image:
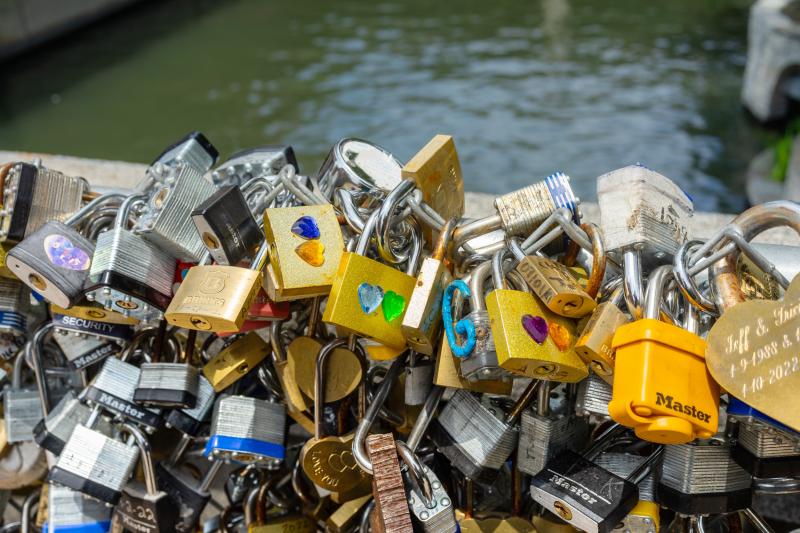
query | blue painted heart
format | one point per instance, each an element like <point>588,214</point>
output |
<point>306,227</point>
<point>63,253</point>
<point>370,297</point>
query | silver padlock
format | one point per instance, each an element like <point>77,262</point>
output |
<point>163,384</point>
<point>53,432</point>
<point>128,274</point>
<point>165,220</point>
<point>69,510</point>
<point>94,464</point>
<point>767,452</point>
<point>14,303</point>
<point>543,434</point>
<point>644,517</point>
<point>190,421</point>
<point>34,195</point>
<point>593,397</point>
<point>243,166</point>
<point>431,507</point>
<point>194,149</point>
<point>22,408</point>
<point>112,389</point>
<point>359,166</point>
<point>83,350</point>
<point>247,430</point>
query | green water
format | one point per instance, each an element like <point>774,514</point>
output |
<point>525,87</point>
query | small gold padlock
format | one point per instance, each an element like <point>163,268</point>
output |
<point>306,247</point>
<point>594,344</point>
<point>530,339</point>
<point>94,312</point>
<point>554,284</point>
<point>423,318</point>
<point>369,298</point>
<point>296,402</point>
<point>217,297</point>
<point>235,360</point>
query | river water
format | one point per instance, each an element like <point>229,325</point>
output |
<point>525,87</point>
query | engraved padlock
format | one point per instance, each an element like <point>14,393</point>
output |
<point>595,341</point>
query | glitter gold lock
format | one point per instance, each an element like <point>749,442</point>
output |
<point>217,297</point>
<point>369,298</point>
<point>305,249</point>
<point>530,339</point>
<point>235,360</point>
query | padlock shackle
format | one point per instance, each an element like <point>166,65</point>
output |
<point>656,283</point>
<point>425,417</point>
<point>36,349</point>
<point>498,276</point>
<point>347,205</point>
<point>386,216</point>
<point>145,457</point>
<point>757,521</point>
<point>604,440</point>
<point>417,242</point>
<point>93,206</point>
<point>278,352</point>
<point>688,287</point>
<point>287,177</point>
<point>121,222</point>
<point>523,402</point>
<point>543,399</point>
<point>356,349</point>
<point>477,278</point>
<point>359,440</point>
<point>417,473</point>
<point>369,228</point>
<point>643,469</point>
<point>632,282</point>
<point>598,251</point>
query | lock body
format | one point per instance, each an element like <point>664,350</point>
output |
<point>22,410</point>
<point>247,430</point>
<point>53,431</point>
<point>555,286</point>
<point>69,510</point>
<point>190,420</point>
<point>141,512</point>
<point>214,298</point>
<point>542,437</point>
<point>113,388</point>
<point>226,226</point>
<point>594,394</point>
<point>517,350</point>
<point>306,247</point>
<point>448,373</point>
<point>662,387</point>
<point>369,299</point>
<point>167,385</point>
<point>594,343</point>
<point>423,318</point>
<point>235,360</point>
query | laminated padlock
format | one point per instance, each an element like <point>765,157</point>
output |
<point>34,195</point>
<point>22,408</point>
<point>55,429</point>
<point>431,507</point>
<point>644,517</point>
<point>190,495</point>
<point>14,305</point>
<point>531,340</point>
<point>226,226</point>
<point>193,149</point>
<point>247,430</point>
<point>306,248</point>
<point>70,510</point>
<point>594,394</point>
<point>369,298</point>
<point>662,387</point>
<point>217,297</point>
<point>251,163</point>
<point>82,350</point>
<point>189,421</point>
<point>764,447</point>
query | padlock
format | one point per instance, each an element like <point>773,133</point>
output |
<point>81,350</point>
<point>594,393</point>
<point>189,495</point>
<point>474,439</point>
<point>422,321</point>
<point>263,523</point>
<point>69,510</point>
<point>530,340</point>
<point>553,283</point>
<point>235,360</point>
<point>247,430</point>
<point>129,275</point>
<point>586,495</point>
<point>163,384</point>
<point>245,165</point>
<point>189,421</point>
<point>543,434</point>
<point>419,380</point>
<point>55,429</point>
<point>94,464</point>
<point>361,166</point>
<point>217,297</point>
<point>55,259</point>
<point>14,303</point>
<point>431,507</point>
<point>764,447</point>
<point>391,506</point>
<point>520,212</point>
<point>662,387</point>
<point>143,508</point>
<point>193,149</point>
<point>329,461</point>
<point>480,362</point>
<point>22,408</point>
<point>306,248</point>
<point>34,195</point>
<point>68,322</point>
<point>344,517</point>
<point>369,298</point>
<point>700,477</point>
<point>447,373</point>
<point>296,403</point>
<point>177,191</point>
<point>644,517</point>
<point>94,312</point>
<point>112,389</point>
<point>226,226</point>
<point>594,343</point>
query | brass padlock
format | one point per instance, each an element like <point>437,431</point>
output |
<point>369,298</point>
<point>594,344</point>
<point>296,402</point>
<point>306,247</point>
<point>530,339</point>
<point>235,360</point>
<point>423,318</point>
<point>217,297</point>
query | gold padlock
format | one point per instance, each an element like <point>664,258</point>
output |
<point>217,297</point>
<point>296,402</point>
<point>235,360</point>
<point>423,318</point>
<point>369,298</point>
<point>94,312</point>
<point>594,344</point>
<point>306,247</point>
<point>530,339</point>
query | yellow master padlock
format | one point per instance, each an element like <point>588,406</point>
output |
<point>662,388</point>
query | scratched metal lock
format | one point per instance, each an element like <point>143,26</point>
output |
<point>193,149</point>
<point>54,430</point>
<point>358,165</point>
<point>217,297</point>
<point>369,298</point>
<point>69,510</point>
<point>235,360</point>
<point>22,408</point>
<point>306,248</point>
<point>644,517</point>
<point>530,339</point>
<point>595,341</point>
<point>128,274</point>
<point>662,387</point>
<point>245,165</point>
<point>14,304</point>
<point>34,195</point>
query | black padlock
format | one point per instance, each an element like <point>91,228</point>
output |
<point>191,496</point>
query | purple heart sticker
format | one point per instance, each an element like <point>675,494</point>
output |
<point>63,253</point>
<point>536,327</point>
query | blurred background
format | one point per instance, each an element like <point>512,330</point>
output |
<point>526,88</point>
